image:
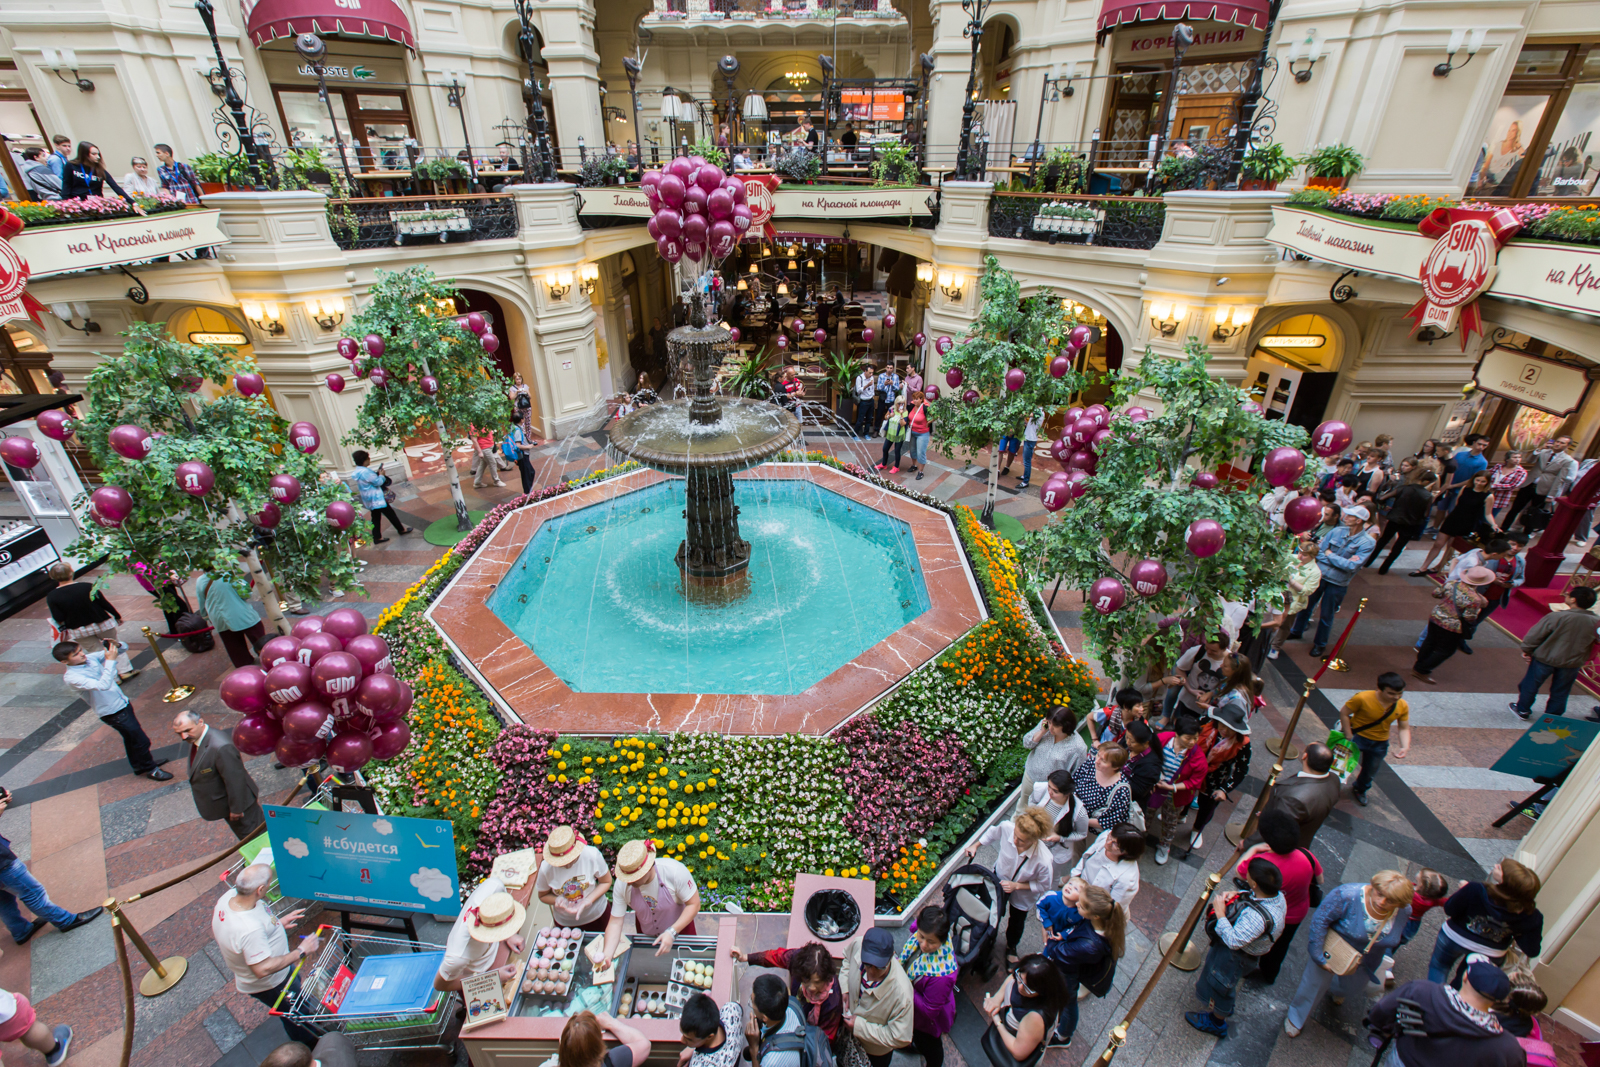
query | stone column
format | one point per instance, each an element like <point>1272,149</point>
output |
<point>958,243</point>
<point>574,65</point>
<point>619,365</point>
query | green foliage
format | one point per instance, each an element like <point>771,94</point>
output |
<point>1063,171</point>
<point>707,149</point>
<point>602,169</point>
<point>230,168</point>
<point>1139,505</point>
<point>1269,162</point>
<point>438,170</point>
<point>241,438</point>
<point>419,341</point>
<point>894,166</point>
<point>1009,332</point>
<point>1206,167</point>
<point>798,164</point>
<point>1580,224</point>
<point>1312,198</point>
<point>750,377</point>
<point>840,369</point>
<point>1334,161</point>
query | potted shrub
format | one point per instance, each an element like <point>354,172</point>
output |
<point>446,172</point>
<point>894,166</point>
<point>1265,165</point>
<point>1332,166</point>
<point>219,172</point>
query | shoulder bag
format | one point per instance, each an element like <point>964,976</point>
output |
<point>1314,893</point>
<point>1343,957</point>
<point>1135,812</point>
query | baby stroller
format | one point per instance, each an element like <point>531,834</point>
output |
<point>975,904</point>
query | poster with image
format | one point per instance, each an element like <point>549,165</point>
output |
<point>353,859</point>
<point>1510,130</point>
<point>1570,161</point>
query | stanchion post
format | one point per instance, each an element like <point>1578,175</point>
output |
<point>163,974</point>
<point>176,692</point>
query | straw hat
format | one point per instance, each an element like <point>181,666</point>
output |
<point>636,860</point>
<point>1478,576</point>
<point>562,847</point>
<point>496,918</point>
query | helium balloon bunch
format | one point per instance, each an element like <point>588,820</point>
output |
<point>325,691</point>
<point>699,212</point>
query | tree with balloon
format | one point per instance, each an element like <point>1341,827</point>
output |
<point>192,484</point>
<point>1017,358</point>
<point>326,690</point>
<point>1156,538</point>
<point>430,369</point>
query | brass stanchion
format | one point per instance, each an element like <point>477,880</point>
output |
<point>163,974</point>
<point>1283,747</point>
<point>176,692</point>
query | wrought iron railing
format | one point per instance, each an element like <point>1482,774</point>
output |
<point>387,221</point>
<point>1107,221</point>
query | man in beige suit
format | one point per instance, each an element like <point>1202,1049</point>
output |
<point>222,788</point>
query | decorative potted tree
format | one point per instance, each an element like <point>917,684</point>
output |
<point>219,172</point>
<point>1265,165</point>
<point>1332,166</point>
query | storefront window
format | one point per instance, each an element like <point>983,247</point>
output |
<point>1501,156</point>
<point>1538,141</point>
<point>307,118</point>
<point>1569,162</point>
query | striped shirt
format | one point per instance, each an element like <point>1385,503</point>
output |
<point>1171,760</point>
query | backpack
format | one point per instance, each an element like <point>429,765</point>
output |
<point>1233,909</point>
<point>811,1043</point>
<point>508,447</point>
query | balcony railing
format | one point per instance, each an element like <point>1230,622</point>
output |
<point>667,10</point>
<point>388,221</point>
<point>1107,221</point>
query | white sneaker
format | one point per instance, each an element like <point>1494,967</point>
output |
<point>1196,840</point>
<point>1290,1028</point>
<point>1163,853</point>
<point>1272,653</point>
<point>1388,979</point>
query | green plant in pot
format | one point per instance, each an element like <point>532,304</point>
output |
<point>894,166</point>
<point>1332,166</point>
<point>1265,165</point>
<point>840,371</point>
<point>222,168</point>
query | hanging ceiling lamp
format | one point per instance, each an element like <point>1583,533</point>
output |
<point>755,108</point>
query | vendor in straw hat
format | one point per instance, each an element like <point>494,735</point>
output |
<point>573,879</point>
<point>489,917</point>
<point>659,891</point>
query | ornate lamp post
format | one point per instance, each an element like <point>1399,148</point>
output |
<point>454,92</point>
<point>977,11</point>
<point>633,66</point>
<point>728,66</point>
<point>312,50</point>
<point>1252,111</point>
<point>231,98</point>
<point>1053,80</point>
<point>1182,38</point>
<point>544,168</point>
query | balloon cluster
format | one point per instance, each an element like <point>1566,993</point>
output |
<point>372,346</point>
<point>326,691</point>
<point>697,209</point>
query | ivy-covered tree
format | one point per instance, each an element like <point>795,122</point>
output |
<point>1010,334</point>
<point>1147,490</point>
<point>169,531</point>
<point>435,372</point>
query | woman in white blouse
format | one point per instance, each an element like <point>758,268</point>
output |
<point>1112,863</point>
<point>1069,818</point>
<point>1024,866</point>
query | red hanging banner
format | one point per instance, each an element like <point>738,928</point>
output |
<point>1460,266</point>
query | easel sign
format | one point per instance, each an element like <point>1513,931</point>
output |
<point>357,861</point>
<point>1549,747</point>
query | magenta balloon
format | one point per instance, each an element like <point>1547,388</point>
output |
<point>349,751</point>
<point>694,252</point>
<point>1059,367</point>
<point>289,683</point>
<point>1107,595</point>
<point>279,650</point>
<point>318,645</point>
<point>1099,413</point>
<point>335,382</point>
<point>194,477</point>
<point>867,335</point>
<point>391,739</point>
<point>345,623</point>
<point>304,437</point>
<point>930,392</point>
<point>671,190</point>
<point>1078,482</point>
<point>710,176</point>
<point>1083,430</point>
<point>429,384</point>
<point>1081,460</point>
<point>649,179</point>
<point>461,322</point>
<point>1302,514</point>
<point>191,383</point>
<point>1283,466</point>
<point>1250,407</point>
<point>285,488</point>
<point>304,628</point>
<point>723,237</point>
<point>1149,577</point>
<point>249,384</point>
<point>820,336</point>
<point>1331,438</point>
<point>1073,415</point>
<point>347,348</point>
<point>55,424</point>
<point>653,228</point>
<point>944,345</point>
<point>335,674</point>
<point>20,452</point>
<point>919,339</point>
<point>733,334</point>
<point>371,650</point>
<point>1061,450</point>
<point>668,223</point>
<point>275,712</point>
<point>113,503</point>
<point>373,344</point>
<point>1137,414</point>
<point>476,323</point>
<point>1059,477</point>
<point>671,250</point>
<point>491,343</point>
<point>244,689</point>
<point>782,341</point>
<point>268,517</point>
<point>305,720</point>
<point>954,377</point>
<point>798,324</point>
<point>1203,480</point>
<point>741,218</point>
<point>129,441</point>
<point>379,696</point>
<point>340,514</point>
<point>680,166</point>
<point>970,396</point>
<point>1054,495</point>
<point>293,752</point>
<point>695,200</point>
<point>256,735</point>
<point>889,320</point>
<point>380,377</point>
<point>1205,537</point>
<point>1015,379</point>
<point>694,229</point>
<point>1100,437</point>
<point>406,698</point>
<point>719,204</point>
<point>1079,336</point>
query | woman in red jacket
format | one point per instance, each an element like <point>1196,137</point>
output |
<point>1183,772</point>
<point>813,977</point>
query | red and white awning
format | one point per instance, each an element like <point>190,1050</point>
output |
<point>1247,13</point>
<point>268,20</point>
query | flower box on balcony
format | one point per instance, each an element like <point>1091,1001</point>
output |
<point>427,223</point>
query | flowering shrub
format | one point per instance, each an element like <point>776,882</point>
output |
<point>1575,223</point>
<point>900,783</point>
<point>529,801</point>
<point>771,894</point>
<point>87,208</point>
<point>936,705</point>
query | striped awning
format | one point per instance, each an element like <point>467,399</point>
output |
<point>267,20</point>
<point>1247,13</point>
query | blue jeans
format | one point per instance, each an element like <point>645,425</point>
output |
<point>864,412</point>
<point>1027,459</point>
<point>18,883</point>
<point>1560,686</point>
<point>1329,597</point>
<point>920,440</point>
<point>1219,979</point>
<point>1446,954</point>
<point>1408,931</point>
<point>1314,984</point>
<point>1372,753</point>
<point>1067,1021</point>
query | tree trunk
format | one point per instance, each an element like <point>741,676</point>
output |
<point>456,497</point>
<point>263,580</point>
<point>987,516</point>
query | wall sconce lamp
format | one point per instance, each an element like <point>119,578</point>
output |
<point>1473,40</point>
<point>66,58</point>
<point>951,285</point>
<point>65,312</point>
<point>1309,50</point>
<point>1166,316</point>
<point>1230,320</point>
<point>265,315</point>
<point>925,275</point>
<point>588,278</point>
<point>325,313</point>
<point>559,284</point>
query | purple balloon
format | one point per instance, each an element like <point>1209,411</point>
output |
<point>347,348</point>
<point>268,517</point>
<point>1203,480</point>
<point>279,650</point>
<point>336,674</point>
<point>55,424</point>
<point>380,377</point>
<point>1100,438</point>
<point>294,752</point>
<point>1107,595</point>
<point>1079,336</point>
<point>1082,460</point>
<point>461,322</point>
<point>244,689</point>
<point>695,200</point>
<point>798,324</point>
<point>741,218</point>
<point>970,396</point>
<point>349,751</point>
<point>1059,367</point>
<point>371,650</point>
<point>944,345</point>
<point>694,229</point>
<point>477,323</point>
<point>888,320</point>
<point>340,514</point>
<point>1137,414</point>
<point>820,336</point>
<point>305,720</point>
<point>866,335</point>
<point>1072,415</point>
<point>1062,450</point>
<point>671,190</point>
<point>391,739</point>
<point>733,334</point>
<point>1077,482</point>
<point>681,166</point>
<point>490,342</point>
<point>429,385</point>
<point>669,223</point>
<point>319,645</point>
<point>379,696</point>
<point>256,735</point>
<point>304,628</point>
<point>670,249</point>
<point>129,441</point>
<point>113,503</point>
<point>719,204</point>
<point>1083,430</point>
<point>1205,537</point>
<point>919,338</point>
<point>1302,514</point>
<point>1149,577</point>
<point>1283,466</point>
<point>191,383</point>
<point>335,382</point>
<point>782,341</point>
<point>1331,438</point>
<point>1250,407</point>
<point>649,179</point>
<point>1054,495</point>
<point>289,683</point>
<point>723,237</point>
<point>249,384</point>
<point>374,345</point>
<point>304,437</point>
<point>653,228</point>
<point>930,392</point>
<point>954,377</point>
<point>345,623</point>
<point>406,698</point>
<point>275,712</point>
<point>193,477</point>
<point>1015,379</point>
<point>285,488</point>
<point>1099,413</point>
<point>710,176</point>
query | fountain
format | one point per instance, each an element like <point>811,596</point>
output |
<point>705,439</point>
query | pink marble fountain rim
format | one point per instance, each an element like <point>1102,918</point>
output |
<point>532,692</point>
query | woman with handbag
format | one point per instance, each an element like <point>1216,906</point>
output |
<point>374,490</point>
<point>1351,931</point>
<point>1098,783</point>
<point>1069,818</point>
<point>1474,509</point>
<point>1022,1012</point>
<point>1024,866</point>
<point>1453,621</point>
<point>1302,881</point>
<point>1225,740</point>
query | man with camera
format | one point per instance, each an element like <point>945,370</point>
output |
<point>95,675</point>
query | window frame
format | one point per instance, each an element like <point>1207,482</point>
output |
<point>1557,90</point>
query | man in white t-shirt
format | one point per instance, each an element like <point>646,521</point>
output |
<point>573,878</point>
<point>255,945</point>
<point>659,891</point>
<point>489,917</point>
<point>1199,670</point>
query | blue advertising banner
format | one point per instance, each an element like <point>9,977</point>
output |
<point>1551,745</point>
<point>351,858</point>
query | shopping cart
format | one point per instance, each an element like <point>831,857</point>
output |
<point>398,1010</point>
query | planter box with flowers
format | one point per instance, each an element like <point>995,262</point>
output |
<point>1079,221</point>
<point>428,223</point>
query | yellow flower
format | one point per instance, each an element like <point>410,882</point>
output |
<point>566,748</point>
<point>704,838</point>
<point>610,827</point>
<point>661,824</point>
<point>712,884</point>
<point>561,766</point>
<point>828,873</point>
<point>597,839</point>
<point>652,746</point>
<point>672,783</point>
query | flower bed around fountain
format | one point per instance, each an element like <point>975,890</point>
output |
<point>888,795</point>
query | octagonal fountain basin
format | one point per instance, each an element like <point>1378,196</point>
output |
<point>574,615</point>
<point>598,597</point>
